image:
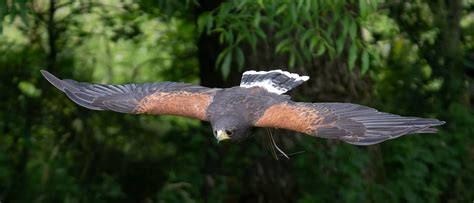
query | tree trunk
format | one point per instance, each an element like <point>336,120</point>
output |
<point>52,55</point>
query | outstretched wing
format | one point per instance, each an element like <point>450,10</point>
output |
<point>168,98</point>
<point>352,123</point>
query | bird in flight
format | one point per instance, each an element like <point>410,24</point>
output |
<point>259,101</point>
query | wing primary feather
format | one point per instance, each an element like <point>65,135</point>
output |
<point>352,123</point>
<point>155,98</point>
<point>60,84</point>
<point>79,101</point>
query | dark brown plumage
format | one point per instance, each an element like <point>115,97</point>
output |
<point>257,102</point>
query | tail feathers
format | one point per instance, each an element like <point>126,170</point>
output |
<point>276,81</point>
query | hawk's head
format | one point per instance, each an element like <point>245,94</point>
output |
<point>230,127</point>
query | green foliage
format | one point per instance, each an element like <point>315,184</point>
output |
<point>51,150</point>
<point>13,9</point>
<point>299,30</point>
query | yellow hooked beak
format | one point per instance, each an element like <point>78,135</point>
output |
<point>222,135</point>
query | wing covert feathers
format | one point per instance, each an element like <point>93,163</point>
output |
<point>352,123</point>
<point>167,98</point>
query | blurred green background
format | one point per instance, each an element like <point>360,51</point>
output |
<point>413,58</point>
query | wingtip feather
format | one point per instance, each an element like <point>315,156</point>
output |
<point>53,80</point>
<point>80,102</point>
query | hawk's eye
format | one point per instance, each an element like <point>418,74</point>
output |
<point>228,132</point>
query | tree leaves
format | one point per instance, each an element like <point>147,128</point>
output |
<point>29,89</point>
<point>226,64</point>
<point>365,61</point>
<point>302,29</point>
<point>204,22</point>
<point>240,58</point>
<point>13,8</point>
<point>352,56</point>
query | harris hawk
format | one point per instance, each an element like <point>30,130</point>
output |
<point>259,101</point>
